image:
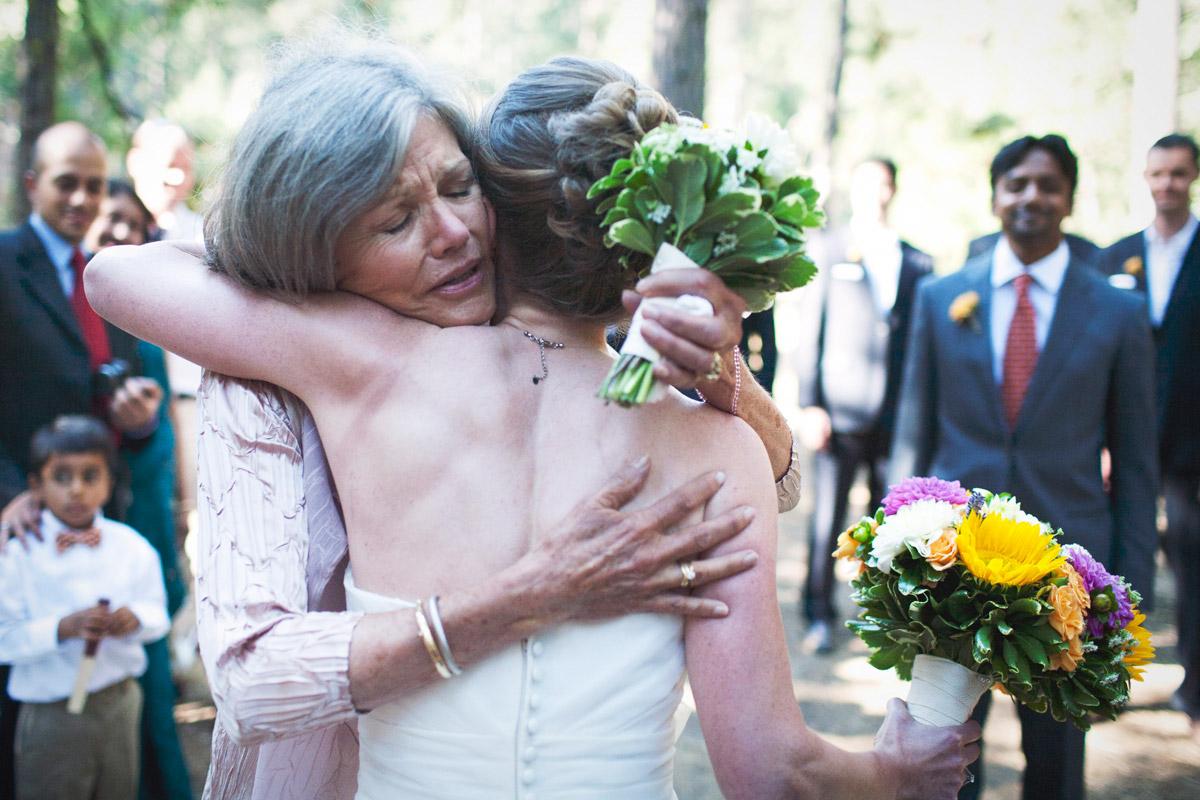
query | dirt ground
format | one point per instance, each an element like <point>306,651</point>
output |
<point>1148,754</point>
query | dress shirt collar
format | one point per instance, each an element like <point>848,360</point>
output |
<point>52,526</point>
<point>1047,272</point>
<point>1181,236</point>
<point>58,248</point>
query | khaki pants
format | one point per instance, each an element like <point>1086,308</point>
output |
<point>92,756</point>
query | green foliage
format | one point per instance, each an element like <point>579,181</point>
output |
<point>709,195</point>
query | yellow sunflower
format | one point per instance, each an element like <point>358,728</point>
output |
<point>1006,552</point>
<point>1142,652</point>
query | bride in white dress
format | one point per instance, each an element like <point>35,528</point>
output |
<point>452,417</point>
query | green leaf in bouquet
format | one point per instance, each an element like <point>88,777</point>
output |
<point>983,642</point>
<point>1044,633</point>
<point>1016,663</point>
<point>699,249</point>
<point>607,204</point>
<point>886,657</point>
<point>1026,605</point>
<point>632,234</point>
<point>1003,626</point>
<point>725,210</point>
<point>757,299</point>
<point>957,608</point>
<point>904,636</point>
<point>686,176</point>
<point>614,215</point>
<point>909,583</point>
<point>797,271</point>
<point>1032,649</point>
<point>1082,696</point>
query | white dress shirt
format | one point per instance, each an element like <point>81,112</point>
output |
<point>1164,259</point>
<point>880,247</point>
<point>42,586</point>
<point>59,250</point>
<point>1047,274</point>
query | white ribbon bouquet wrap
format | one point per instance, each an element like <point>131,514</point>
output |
<point>636,349</point>
<point>944,692</point>
<point>690,196</point>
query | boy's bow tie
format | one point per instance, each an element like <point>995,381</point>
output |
<point>64,541</point>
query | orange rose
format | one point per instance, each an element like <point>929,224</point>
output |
<point>943,551</point>
<point>846,544</point>
<point>1068,659</point>
<point>1070,603</point>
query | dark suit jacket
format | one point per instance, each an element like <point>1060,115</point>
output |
<point>1081,248</point>
<point>851,356</point>
<point>44,370</point>
<point>1178,344</point>
<point>1093,387</point>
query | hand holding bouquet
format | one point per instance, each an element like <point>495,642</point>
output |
<point>989,593</point>
<point>694,196</point>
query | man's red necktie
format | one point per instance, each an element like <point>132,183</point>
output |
<point>1020,352</point>
<point>90,324</point>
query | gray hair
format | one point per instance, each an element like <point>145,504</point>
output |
<point>324,146</point>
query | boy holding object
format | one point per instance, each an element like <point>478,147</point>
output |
<point>88,579</point>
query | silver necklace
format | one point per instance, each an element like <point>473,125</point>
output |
<point>542,345</point>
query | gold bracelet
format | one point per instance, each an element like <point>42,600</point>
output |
<point>431,647</point>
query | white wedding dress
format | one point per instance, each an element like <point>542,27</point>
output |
<point>582,711</point>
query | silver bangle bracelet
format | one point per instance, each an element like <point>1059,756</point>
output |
<point>787,488</point>
<point>439,635</point>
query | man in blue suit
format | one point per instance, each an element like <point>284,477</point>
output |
<point>1162,264</point>
<point>1022,367</point>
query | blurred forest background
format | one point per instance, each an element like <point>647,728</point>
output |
<point>937,85</point>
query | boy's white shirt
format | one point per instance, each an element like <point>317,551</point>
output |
<point>40,587</point>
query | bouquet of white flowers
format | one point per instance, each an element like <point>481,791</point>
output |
<point>694,196</point>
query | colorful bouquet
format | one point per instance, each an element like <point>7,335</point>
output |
<point>693,196</point>
<point>962,591</point>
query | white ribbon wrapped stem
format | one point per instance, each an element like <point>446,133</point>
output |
<point>668,257</point>
<point>943,692</point>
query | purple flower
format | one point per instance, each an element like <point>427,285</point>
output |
<point>1105,589</point>
<point>910,490</point>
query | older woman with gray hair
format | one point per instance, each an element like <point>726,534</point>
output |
<point>310,186</point>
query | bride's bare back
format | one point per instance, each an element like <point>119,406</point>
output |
<point>450,461</point>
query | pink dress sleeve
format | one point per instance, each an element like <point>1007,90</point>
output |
<point>274,635</point>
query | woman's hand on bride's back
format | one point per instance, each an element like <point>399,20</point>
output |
<point>604,561</point>
<point>928,763</point>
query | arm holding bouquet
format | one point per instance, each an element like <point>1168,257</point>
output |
<point>756,735</point>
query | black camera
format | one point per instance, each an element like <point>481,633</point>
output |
<point>110,376</point>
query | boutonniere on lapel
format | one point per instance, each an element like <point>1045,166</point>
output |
<point>1133,266</point>
<point>962,310</point>
<point>854,254</point>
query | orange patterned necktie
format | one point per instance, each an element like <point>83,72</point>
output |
<point>65,540</point>
<point>1020,352</point>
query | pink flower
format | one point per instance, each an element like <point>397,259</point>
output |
<point>910,490</point>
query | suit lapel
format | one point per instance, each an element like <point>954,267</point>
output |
<point>1066,331</point>
<point>977,341</point>
<point>40,279</point>
<point>1187,281</point>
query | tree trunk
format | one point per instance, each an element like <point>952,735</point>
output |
<point>679,30</point>
<point>40,54</point>
<point>1155,58</point>
<point>824,160</point>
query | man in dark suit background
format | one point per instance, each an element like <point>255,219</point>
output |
<point>1021,368</point>
<point>849,365</point>
<point>1162,263</point>
<point>53,342</point>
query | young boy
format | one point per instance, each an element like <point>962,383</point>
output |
<point>50,607</point>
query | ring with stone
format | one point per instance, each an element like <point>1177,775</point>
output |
<point>714,371</point>
<point>688,570</point>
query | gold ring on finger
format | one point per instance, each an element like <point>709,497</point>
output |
<point>688,570</point>
<point>714,370</point>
